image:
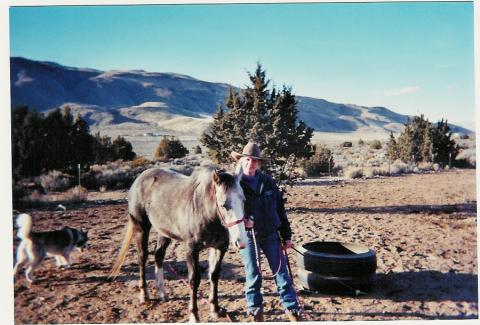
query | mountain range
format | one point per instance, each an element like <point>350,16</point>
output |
<point>137,102</point>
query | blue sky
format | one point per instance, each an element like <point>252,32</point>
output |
<point>415,57</point>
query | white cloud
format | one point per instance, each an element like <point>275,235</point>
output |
<point>402,91</point>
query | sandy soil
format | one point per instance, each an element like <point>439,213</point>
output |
<point>422,227</point>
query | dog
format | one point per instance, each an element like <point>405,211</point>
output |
<point>35,246</point>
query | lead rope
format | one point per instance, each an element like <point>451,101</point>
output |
<point>257,257</point>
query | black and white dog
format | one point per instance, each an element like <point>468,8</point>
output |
<point>35,246</point>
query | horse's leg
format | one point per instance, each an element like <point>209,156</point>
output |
<point>215,262</point>
<point>141,232</point>
<point>194,281</point>
<point>162,245</point>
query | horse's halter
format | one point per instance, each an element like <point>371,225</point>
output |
<point>223,221</point>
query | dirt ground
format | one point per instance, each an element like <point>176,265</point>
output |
<point>423,229</point>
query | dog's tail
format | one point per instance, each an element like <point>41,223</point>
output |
<point>124,249</point>
<point>24,223</point>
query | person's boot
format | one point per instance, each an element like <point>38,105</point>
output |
<point>293,315</point>
<point>258,317</point>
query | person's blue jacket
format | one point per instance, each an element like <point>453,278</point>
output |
<point>265,205</point>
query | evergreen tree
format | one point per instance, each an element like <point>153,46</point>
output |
<point>102,148</point>
<point>422,141</point>
<point>321,162</point>
<point>426,148</point>
<point>392,148</point>
<point>265,116</point>
<point>58,142</point>
<point>411,140</point>
<point>170,148</point>
<point>27,142</point>
<point>445,150</point>
<point>122,149</point>
<point>259,100</point>
<point>82,142</point>
<point>212,138</point>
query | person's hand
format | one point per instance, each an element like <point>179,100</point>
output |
<point>248,223</point>
<point>288,244</point>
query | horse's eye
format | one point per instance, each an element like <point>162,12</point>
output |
<point>226,206</point>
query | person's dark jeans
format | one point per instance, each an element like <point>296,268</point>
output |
<point>274,254</point>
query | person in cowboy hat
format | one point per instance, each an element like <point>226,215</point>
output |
<point>269,228</point>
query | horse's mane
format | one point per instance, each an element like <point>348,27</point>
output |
<point>203,196</point>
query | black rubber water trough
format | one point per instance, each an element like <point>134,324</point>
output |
<point>336,267</point>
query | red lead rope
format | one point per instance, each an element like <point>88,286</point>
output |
<point>259,265</point>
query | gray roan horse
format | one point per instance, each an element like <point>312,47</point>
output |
<point>202,210</point>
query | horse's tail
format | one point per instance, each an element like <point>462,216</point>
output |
<point>123,251</point>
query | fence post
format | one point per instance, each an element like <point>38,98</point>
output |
<point>78,166</point>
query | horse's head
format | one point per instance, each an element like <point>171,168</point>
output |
<point>229,204</point>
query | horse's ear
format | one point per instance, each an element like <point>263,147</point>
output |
<point>239,172</point>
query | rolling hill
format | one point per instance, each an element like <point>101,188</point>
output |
<point>139,103</point>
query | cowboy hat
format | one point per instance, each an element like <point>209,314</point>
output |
<point>252,150</point>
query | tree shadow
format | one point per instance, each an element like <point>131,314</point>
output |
<point>173,270</point>
<point>394,315</point>
<point>413,286</point>
<point>470,207</point>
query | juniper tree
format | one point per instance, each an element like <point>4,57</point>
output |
<point>411,139</point>
<point>212,137</point>
<point>169,148</point>
<point>122,149</point>
<point>321,162</point>
<point>392,148</point>
<point>444,149</point>
<point>260,106</point>
<point>422,141</point>
<point>265,116</point>
<point>426,148</point>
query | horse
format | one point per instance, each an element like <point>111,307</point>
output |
<point>204,210</point>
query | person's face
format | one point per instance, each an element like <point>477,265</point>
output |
<point>250,165</point>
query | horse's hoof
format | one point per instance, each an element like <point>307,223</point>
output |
<point>163,297</point>
<point>143,298</point>
<point>220,313</point>
<point>193,319</point>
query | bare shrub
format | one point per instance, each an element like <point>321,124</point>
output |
<point>140,162</point>
<point>399,167</point>
<point>353,172</point>
<point>321,161</point>
<point>35,198</point>
<point>55,181</point>
<point>74,195</point>
<point>466,158</point>
<point>383,170</point>
<point>114,175</point>
<point>376,144</point>
<point>424,166</point>
<point>369,172</point>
